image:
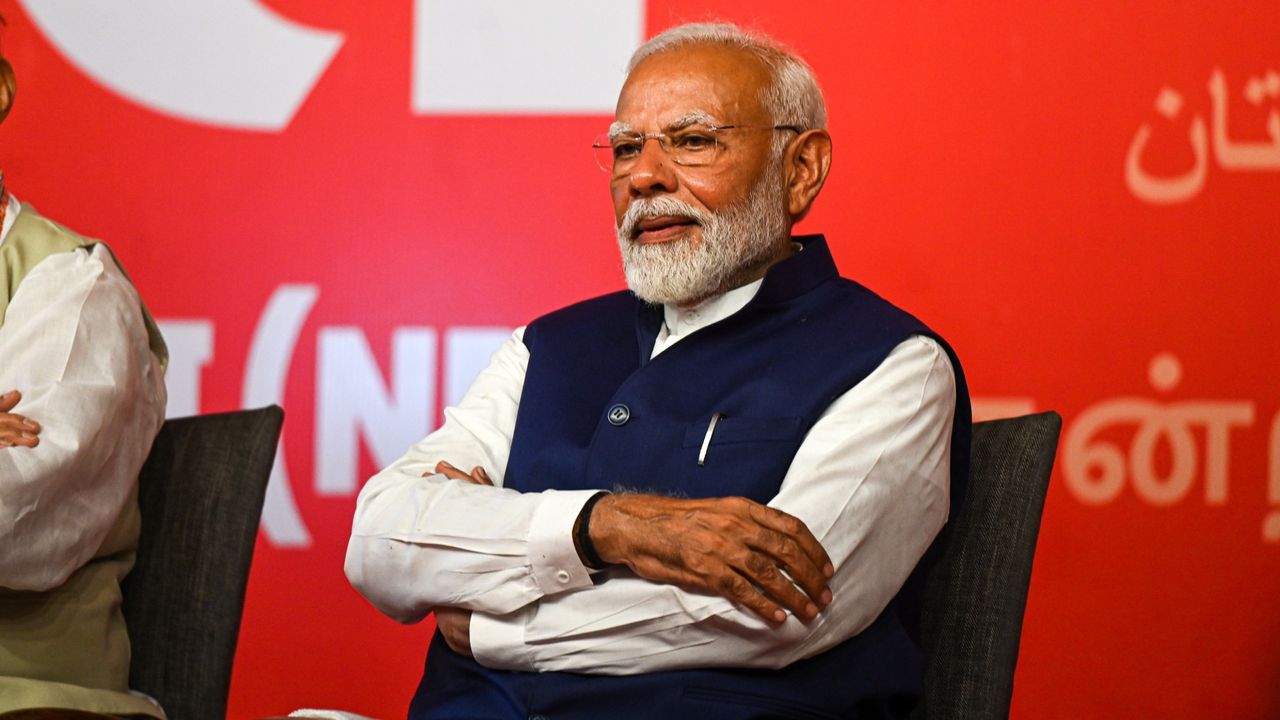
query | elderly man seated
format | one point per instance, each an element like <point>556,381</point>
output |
<point>711,496</point>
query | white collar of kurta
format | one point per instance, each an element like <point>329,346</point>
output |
<point>678,323</point>
<point>10,214</point>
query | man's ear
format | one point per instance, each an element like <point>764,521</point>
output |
<point>808,160</point>
<point>8,88</point>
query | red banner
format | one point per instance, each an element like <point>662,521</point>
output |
<point>344,210</point>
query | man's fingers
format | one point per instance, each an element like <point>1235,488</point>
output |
<point>21,424</point>
<point>754,581</point>
<point>784,543</point>
<point>18,424</point>
<point>764,573</point>
<point>738,589</point>
<point>15,432</point>
<point>451,472</point>
<point>478,475</point>
<point>786,554</point>
<point>794,528</point>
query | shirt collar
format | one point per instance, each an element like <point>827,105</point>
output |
<point>681,322</point>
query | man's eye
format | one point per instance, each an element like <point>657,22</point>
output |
<point>623,149</point>
<point>694,142</point>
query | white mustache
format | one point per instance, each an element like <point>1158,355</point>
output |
<point>655,207</point>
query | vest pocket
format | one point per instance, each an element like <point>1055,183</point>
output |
<point>774,707</point>
<point>743,430</point>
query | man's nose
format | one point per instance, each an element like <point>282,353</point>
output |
<point>653,171</point>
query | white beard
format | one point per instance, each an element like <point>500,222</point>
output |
<point>743,235</point>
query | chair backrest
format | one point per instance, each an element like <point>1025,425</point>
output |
<point>201,492</point>
<point>975,596</point>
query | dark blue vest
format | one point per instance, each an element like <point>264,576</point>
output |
<point>597,412</point>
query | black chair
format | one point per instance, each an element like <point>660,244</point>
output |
<point>201,492</point>
<point>975,596</point>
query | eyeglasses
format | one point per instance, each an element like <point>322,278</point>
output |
<point>692,146</point>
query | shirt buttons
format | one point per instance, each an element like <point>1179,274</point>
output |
<point>619,415</point>
<point>563,576</point>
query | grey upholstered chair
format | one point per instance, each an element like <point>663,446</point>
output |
<point>975,595</point>
<point>201,493</point>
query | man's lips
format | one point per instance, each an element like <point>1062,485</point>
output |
<point>663,228</point>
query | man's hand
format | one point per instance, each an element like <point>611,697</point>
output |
<point>735,547</point>
<point>477,476</point>
<point>455,626</point>
<point>455,623</point>
<point>16,429</point>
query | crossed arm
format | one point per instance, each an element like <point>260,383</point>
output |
<point>73,438</point>
<point>732,546</point>
<point>868,488</point>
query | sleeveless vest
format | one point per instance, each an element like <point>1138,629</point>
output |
<point>596,412</point>
<point>68,647</point>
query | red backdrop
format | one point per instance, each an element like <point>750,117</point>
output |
<point>332,207</point>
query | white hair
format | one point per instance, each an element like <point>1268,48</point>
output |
<point>736,239</point>
<point>792,96</point>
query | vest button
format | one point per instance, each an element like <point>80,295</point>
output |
<point>619,415</point>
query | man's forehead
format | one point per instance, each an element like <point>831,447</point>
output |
<point>701,83</point>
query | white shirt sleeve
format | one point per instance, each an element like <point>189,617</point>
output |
<point>418,542</point>
<point>871,481</point>
<point>75,344</point>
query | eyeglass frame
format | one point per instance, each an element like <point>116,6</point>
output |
<point>664,138</point>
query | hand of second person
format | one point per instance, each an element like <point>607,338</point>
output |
<point>16,430</point>
<point>733,547</point>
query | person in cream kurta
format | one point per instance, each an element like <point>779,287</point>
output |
<point>82,383</point>
<point>82,369</point>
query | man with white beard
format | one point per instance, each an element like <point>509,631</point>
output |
<point>713,495</point>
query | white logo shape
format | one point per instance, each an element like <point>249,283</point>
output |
<point>516,57</point>
<point>231,63</point>
<point>264,380</point>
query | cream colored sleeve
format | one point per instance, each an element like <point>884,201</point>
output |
<point>75,344</point>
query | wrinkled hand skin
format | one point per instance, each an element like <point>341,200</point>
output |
<point>16,430</point>
<point>761,558</point>
<point>455,623</point>
<point>734,547</point>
